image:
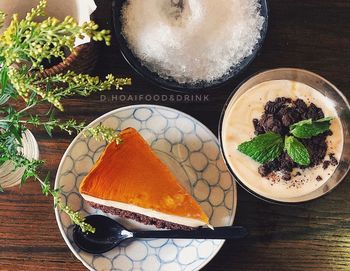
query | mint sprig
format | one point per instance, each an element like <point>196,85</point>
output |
<point>263,148</point>
<point>267,147</point>
<point>309,128</point>
<point>297,151</point>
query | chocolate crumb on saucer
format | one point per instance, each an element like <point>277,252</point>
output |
<point>319,178</point>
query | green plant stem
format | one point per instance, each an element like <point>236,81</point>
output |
<point>74,216</point>
<point>27,108</point>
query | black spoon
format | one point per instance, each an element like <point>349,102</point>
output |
<point>110,234</point>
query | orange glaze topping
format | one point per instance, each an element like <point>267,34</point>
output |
<point>131,173</point>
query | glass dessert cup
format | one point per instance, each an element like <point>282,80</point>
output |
<point>171,84</point>
<point>321,85</point>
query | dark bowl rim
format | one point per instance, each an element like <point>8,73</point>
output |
<point>173,85</point>
<point>222,115</point>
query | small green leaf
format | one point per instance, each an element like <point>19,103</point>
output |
<point>24,178</point>
<point>3,78</point>
<point>52,114</point>
<point>4,125</point>
<point>16,132</point>
<point>4,159</point>
<point>33,120</point>
<point>4,98</point>
<point>48,129</point>
<point>10,90</point>
<point>1,189</point>
<point>46,185</point>
<point>263,148</point>
<point>309,130</point>
<point>32,99</point>
<point>297,151</point>
<point>325,119</point>
<point>300,123</point>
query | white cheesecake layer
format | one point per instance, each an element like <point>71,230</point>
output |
<point>190,222</point>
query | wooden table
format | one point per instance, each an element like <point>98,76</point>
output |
<point>309,34</point>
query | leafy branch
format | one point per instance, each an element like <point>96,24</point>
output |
<point>75,217</point>
<point>35,41</point>
<point>54,88</point>
<point>24,45</point>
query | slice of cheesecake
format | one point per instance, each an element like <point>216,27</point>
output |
<point>129,180</point>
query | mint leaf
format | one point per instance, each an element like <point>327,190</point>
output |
<point>300,123</point>
<point>263,148</point>
<point>325,119</point>
<point>297,151</point>
<point>309,128</point>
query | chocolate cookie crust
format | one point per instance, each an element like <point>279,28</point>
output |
<point>139,217</point>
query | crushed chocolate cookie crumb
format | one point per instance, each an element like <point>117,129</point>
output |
<point>264,170</point>
<point>300,106</point>
<point>270,123</point>
<point>317,148</point>
<point>326,164</point>
<point>277,117</point>
<point>334,160</point>
<point>319,178</point>
<point>257,127</point>
<point>286,175</point>
<point>297,174</point>
<point>314,112</point>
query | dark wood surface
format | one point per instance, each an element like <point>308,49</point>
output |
<point>309,34</point>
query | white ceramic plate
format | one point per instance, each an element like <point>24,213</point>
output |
<point>192,153</point>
